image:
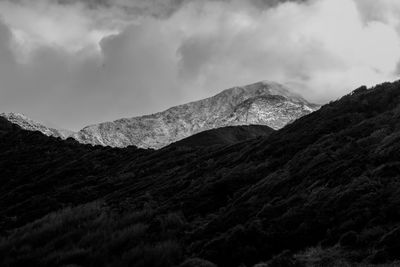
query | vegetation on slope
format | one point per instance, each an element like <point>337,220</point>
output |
<point>228,135</point>
<point>323,191</point>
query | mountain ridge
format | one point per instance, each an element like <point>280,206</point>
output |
<point>28,124</point>
<point>224,109</point>
<point>264,103</point>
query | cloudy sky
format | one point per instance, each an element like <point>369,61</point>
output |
<point>78,62</point>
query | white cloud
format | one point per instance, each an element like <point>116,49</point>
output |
<point>72,28</point>
<point>323,47</point>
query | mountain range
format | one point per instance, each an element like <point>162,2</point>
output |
<point>262,103</point>
<point>322,191</point>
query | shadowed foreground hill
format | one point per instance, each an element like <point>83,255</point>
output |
<point>224,136</point>
<point>323,191</point>
<point>41,174</point>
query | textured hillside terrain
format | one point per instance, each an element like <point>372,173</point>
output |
<point>28,124</point>
<point>263,103</point>
<point>322,191</point>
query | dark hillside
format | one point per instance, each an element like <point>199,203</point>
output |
<point>323,191</point>
<point>40,174</point>
<point>225,136</point>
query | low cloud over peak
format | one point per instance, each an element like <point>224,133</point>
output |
<point>99,60</point>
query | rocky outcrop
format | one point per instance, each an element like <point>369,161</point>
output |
<point>28,124</point>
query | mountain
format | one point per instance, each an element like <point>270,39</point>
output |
<point>28,124</point>
<point>224,136</point>
<point>263,103</point>
<point>322,191</point>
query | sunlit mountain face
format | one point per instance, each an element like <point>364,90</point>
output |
<point>262,103</point>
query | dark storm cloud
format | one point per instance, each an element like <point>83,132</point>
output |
<point>272,3</point>
<point>159,8</point>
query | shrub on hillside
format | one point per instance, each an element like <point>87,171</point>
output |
<point>197,262</point>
